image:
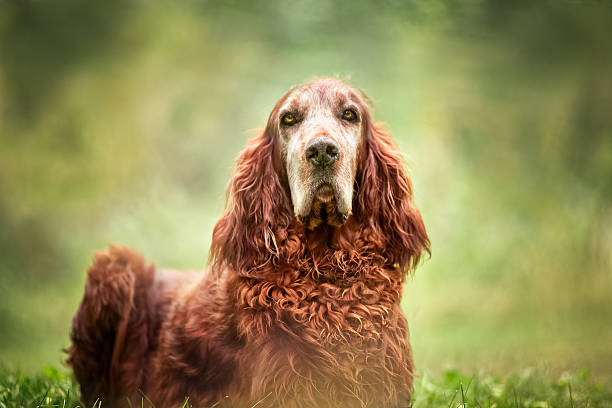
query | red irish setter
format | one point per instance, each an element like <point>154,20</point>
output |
<point>300,304</point>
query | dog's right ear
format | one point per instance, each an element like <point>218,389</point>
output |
<point>258,207</point>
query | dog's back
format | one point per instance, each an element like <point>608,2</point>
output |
<point>116,328</point>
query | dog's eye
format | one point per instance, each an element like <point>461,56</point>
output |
<point>349,115</point>
<point>288,119</point>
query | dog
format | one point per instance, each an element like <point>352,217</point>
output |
<point>299,305</point>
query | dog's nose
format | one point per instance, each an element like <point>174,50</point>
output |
<point>322,151</point>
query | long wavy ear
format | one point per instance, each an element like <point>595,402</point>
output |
<point>385,200</point>
<point>257,208</point>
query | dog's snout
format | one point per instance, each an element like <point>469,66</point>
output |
<point>322,151</point>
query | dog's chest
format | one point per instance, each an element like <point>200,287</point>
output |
<point>320,314</point>
<point>314,337</point>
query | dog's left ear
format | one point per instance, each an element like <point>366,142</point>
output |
<point>385,200</point>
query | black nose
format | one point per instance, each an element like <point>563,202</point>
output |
<point>322,151</point>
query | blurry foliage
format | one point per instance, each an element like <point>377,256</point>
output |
<point>119,122</point>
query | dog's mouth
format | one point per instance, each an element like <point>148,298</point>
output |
<point>324,193</point>
<point>324,209</point>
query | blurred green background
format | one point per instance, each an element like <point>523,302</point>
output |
<point>120,122</point>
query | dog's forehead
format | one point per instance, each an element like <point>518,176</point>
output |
<point>322,94</point>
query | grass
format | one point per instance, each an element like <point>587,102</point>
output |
<point>528,389</point>
<point>51,388</point>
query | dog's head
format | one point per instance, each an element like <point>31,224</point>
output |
<point>319,132</point>
<point>319,161</point>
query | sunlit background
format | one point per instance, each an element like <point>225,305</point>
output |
<point>120,122</point>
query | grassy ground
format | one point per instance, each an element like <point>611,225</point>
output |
<point>529,388</point>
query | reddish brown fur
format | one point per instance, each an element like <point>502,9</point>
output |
<point>284,315</point>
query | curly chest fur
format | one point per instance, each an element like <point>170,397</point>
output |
<point>341,343</point>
